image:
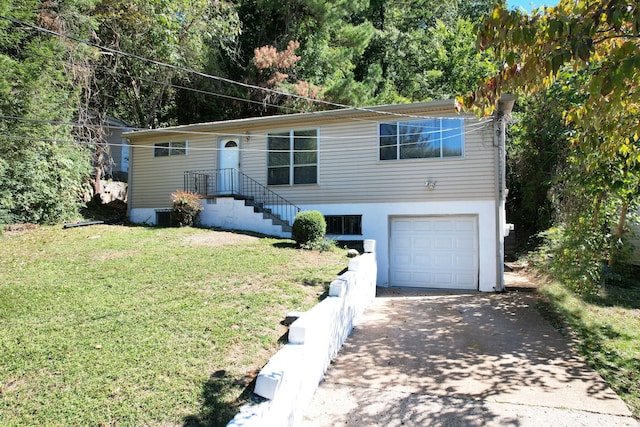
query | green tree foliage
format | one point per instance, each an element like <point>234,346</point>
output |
<point>184,33</point>
<point>363,53</point>
<point>330,35</point>
<point>55,79</point>
<point>425,50</point>
<point>537,155</point>
<point>599,41</point>
<point>41,171</point>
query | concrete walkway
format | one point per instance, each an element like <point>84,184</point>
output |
<point>459,359</point>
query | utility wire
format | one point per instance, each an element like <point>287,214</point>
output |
<point>467,129</point>
<point>204,92</point>
<point>201,74</point>
<point>84,141</point>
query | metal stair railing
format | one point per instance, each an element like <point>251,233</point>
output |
<point>232,182</point>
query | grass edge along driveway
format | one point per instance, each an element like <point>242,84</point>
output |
<point>605,329</point>
<point>116,325</point>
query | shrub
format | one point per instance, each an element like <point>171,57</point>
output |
<point>322,245</point>
<point>575,257</point>
<point>186,207</point>
<point>309,228</point>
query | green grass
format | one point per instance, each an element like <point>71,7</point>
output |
<point>115,325</point>
<point>606,331</point>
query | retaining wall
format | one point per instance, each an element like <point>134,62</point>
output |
<point>286,384</point>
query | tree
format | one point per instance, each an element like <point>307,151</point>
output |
<point>600,41</point>
<point>537,152</point>
<point>143,94</point>
<point>41,169</point>
<point>181,33</point>
<point>329,37</point>
<point>364,52</point>
<point>424,50</point>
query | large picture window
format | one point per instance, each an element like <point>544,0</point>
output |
<point>292,157</point>
<point>420,139</point>
<point>178,148</point>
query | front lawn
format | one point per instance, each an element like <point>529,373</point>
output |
<point>606,332</point>
<point>130,326</point>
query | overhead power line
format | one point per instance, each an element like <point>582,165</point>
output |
<point>85,141</point>
<point>202,74</point>
<point>468,128</point>
<point>203,92</point>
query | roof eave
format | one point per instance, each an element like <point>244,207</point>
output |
<point>441,105</point>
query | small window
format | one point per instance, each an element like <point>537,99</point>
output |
<point>344,224</point>
<point>421,139</point>
<point>178,148</point>
<point>164,218</point>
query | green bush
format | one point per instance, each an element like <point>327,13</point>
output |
<point>322,245</point>
<point>309,227</point>
<point>186,207</point>
<point>575,257</point>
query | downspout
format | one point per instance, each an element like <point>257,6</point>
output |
<point>130,180</point>
<point>504,107</point>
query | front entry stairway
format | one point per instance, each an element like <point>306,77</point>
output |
<point>236,201</point>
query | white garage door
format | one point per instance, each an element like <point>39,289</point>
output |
<point>434,252</point>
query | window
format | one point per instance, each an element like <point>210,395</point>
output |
<point>344,224</point>
<point>292,158</point>
<point>177,148</point>
<point>420,139</point>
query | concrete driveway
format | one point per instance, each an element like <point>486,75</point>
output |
<point>460,359</point>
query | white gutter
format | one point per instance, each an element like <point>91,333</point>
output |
<point>504,107</point>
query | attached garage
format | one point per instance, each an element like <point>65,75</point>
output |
<point>434,252</point>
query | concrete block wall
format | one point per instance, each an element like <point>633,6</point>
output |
<point>232,214</point>
<point>287,382</point>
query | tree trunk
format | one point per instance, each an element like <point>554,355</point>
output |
<point>596,210</point>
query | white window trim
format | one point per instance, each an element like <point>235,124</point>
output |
<point>440,157</point>
<point>291,156</point>
<point>159,144</point>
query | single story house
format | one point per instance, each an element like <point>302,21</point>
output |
<point>423,180</point>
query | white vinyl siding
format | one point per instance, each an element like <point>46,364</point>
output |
<point>352,173</point>
<point>349,169</point>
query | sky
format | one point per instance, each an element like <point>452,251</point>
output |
<point>529,5</point>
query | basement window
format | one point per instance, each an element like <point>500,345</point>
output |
<point>344,224</point>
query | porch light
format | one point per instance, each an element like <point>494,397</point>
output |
<point>430,184</point>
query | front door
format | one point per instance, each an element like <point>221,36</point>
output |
<point>228,167</point>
